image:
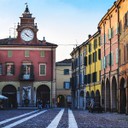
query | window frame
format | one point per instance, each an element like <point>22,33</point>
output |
<point>40,69</point>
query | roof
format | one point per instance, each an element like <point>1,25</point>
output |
<point>66,62</point>
<point>12,42</point>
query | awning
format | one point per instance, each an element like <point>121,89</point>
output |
<point>3,97</point>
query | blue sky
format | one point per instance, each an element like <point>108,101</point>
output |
<point>59,21</point>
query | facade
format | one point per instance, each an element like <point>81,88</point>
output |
<point>109,56</point>
<point>86,72</point>
<point>106,82</point>
<point>63,87</point>
<point>123,57</point>
<point>114,57</point>
<point>93,69</point>
<point>77,80</point>
<point>27,66</point>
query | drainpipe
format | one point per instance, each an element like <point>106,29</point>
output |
<point>79,78</point>
<point>104,69</point>
<point>118,91</point>
<point>110,65</point>
<point>51,76</point>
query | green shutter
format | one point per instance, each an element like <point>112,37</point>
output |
<point>42,53</point>
<point>27,53</point>
<point>9,53</point>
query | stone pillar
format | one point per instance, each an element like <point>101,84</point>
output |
<point>84,98</point>
<point>127,99</point>
<point>78,99</point>
<point>111,98</point>
<point>105,95</point>
<point>18,97</point>
<point>34,98</point>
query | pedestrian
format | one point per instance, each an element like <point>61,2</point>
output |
<point>39,104</point>
<point>92,105</point>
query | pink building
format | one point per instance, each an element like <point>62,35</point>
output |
<point>109,58</point>
<point>27,66</point>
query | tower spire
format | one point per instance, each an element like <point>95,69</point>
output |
<point>26,9</point>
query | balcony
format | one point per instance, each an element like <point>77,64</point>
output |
<point>26,73</point>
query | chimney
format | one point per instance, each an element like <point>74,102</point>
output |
<point>89,36</point>
<point>44,41</point>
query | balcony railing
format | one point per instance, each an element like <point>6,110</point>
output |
<point>26,73</point>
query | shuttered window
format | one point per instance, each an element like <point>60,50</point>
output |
<point>42,53</point>
<point>10,69</point>
<point>42,69</point>
<point>9,53</point>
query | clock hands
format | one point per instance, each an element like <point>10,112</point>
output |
<point>27,35</point>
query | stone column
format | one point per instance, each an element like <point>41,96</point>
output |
<point>78,99</point>
<point>18,97</point>
<point>105,95</point>
<point>127,99</point>
<point>34,98</point>
<point>84,98</point>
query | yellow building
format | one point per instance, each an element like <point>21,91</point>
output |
<point>93,68</point>
<point>63,89</point>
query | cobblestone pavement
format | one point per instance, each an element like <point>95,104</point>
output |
<point>84,119</point>
<point>100,120</point>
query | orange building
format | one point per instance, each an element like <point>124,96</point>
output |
<point>123,63</point>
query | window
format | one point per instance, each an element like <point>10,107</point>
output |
<point>110,33</point>
<point>94,77</point>
<point>66,71</point>
<point>95,43</point>
<point>9,53</point>
<point>119,28</point>
<point>89,59</point>
<point>42,69</point>
<point>85,61</point>
<point>94,56</point>
<point>9,69</point>
<point>27,71</point>
<point>85,79</point>
<point>89,78</point>
<point>27,53</point>
<point>99,40</point>
<point>0,69</point>
<point>66,85</point>
<point>99,54</point>
<point>89,47</point>
<point>42,53</point>
<point>126,20</point>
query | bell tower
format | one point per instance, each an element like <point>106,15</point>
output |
<point>27,29</point>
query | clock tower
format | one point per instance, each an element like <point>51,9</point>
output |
<point>27,29</point>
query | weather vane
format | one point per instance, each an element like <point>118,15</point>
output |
<point>26,4</point>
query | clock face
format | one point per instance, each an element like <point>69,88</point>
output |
<point>27,35</point>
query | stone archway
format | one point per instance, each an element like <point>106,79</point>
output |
<point>97,97</point>
<point>92,95</point>
<point>43,94</point>
<point>10,92</point>
<point>87,99</point>
<point>60,101</point>
<point>122,96</point>
<point>114,94</point>
<point>108,95</point>
<point>103,94</point>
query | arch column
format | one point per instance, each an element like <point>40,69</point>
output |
<point>18,97</point>
<point>78,99</point>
